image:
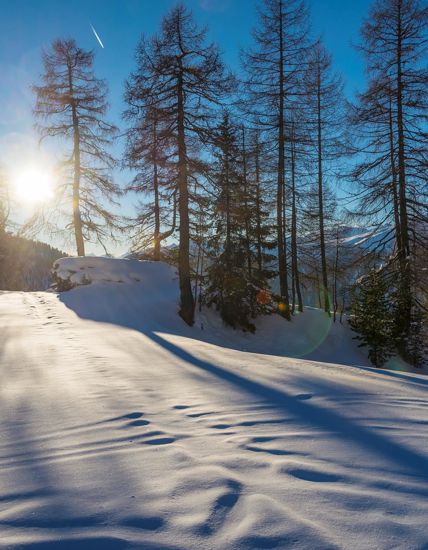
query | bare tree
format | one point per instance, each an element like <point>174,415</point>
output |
<point>324,91</point>
<point>391,123</point>
<point>274,67</point>
<point>183,78</point>
<point>147,150</point>
<point>71,105</point>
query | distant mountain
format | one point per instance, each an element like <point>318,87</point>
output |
<point>26,264</point>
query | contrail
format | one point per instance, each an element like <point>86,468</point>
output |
<point>96,36</point>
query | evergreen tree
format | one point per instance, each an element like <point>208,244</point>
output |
<point>233,286</point>
<point>372,318</point>
<point>71,105</point>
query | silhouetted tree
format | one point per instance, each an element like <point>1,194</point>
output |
<point>183,78</point>
<point>147,150</point>
<point>274,68</point>
<point>324,91</point>
<point>71,105</point>
<point>390,122</point>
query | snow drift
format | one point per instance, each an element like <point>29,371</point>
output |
<point>115,438</point>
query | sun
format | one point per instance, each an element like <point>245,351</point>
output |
<point>33,184</point>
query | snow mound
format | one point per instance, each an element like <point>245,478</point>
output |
<point>73,272</point>
<point>144,296</point>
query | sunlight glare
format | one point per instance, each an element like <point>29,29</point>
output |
<point>34,184</point>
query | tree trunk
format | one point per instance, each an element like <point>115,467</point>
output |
<point>247,221</point>
<point>258,210</point>
<point>336,268</point>
<point>405,245</point>
<point>156,235</point>
<point>321,199</point>
<point>394,182</point>
<point>294,256</point>
<point>186,295</point>
<point>77,218</point>
<point>282,261</point>
<point>228,213</point>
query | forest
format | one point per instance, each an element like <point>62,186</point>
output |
<point>268,188</point>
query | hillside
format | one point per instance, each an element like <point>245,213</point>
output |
<point>25,264</point>
<point>124,428</point>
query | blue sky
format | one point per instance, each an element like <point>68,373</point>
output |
<point>27,26</point>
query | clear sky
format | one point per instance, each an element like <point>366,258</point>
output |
<point>28,26</point>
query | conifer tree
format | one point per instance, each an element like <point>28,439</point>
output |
<point>372,317</point>
<point>147,151</point>
<point>324,96</point>
<point>183,77</point>
<point>274,68</point>
<point>390,119</point>
<point>233,285</point>
<point>71,105</point>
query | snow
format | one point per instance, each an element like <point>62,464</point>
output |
<point>124,428</point>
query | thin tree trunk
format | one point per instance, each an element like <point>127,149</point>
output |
<point>321,198</point>
<point>282,260</point>
<point>247,221</point>
<point>77,218</point>
<point>186,295</point>
<point>228,216</point>
<point>294,255</point>
<point>258,209</point>
<point>401,153</point>
<point>336,267</point>
<point>394,182</point>
<point>405,245</point>
<point>156,236</point>
<point>319,290</point>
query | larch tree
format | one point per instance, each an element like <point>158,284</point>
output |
<point>146,152</point>
<point>71,106</point>
<point>274,67</point>
<point>324,92</point>
<point>183,77</point>
<point>391,117</point>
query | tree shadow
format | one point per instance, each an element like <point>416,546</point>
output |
<point>87,305</point>
<point>409,461</point>
<point>154,311</point>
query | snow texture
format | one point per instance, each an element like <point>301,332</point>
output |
<point>124,428</point>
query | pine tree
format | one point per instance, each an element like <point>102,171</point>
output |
<point>71,105</point>
<point>259,212</point>
<point>372,318</point>
<point>233,284</point>
<point>183,77</point>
